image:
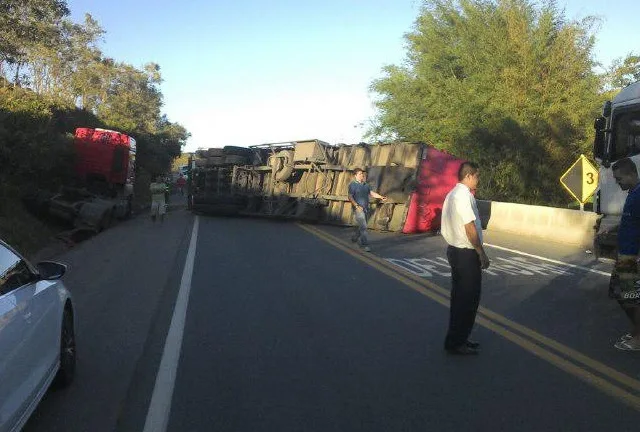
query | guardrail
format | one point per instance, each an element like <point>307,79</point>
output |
<point>547,223</point>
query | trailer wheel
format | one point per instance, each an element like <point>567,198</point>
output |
<point>238,151</point>
<point>282,164</point>
<point>129,209</point>
<point>105,221</point>
<point>214,152</point>
<point>243,180</point>
<point>235,160</point>
<point>214,161</point>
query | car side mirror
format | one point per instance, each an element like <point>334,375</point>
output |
<point>49,270</point>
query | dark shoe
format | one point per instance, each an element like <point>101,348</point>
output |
<point>473,344</point>
<point>463,350</point>
<point>354,239</point>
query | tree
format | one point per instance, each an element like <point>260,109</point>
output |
<point>85,60</point>
<point>71,84</point>
<point>24,23</point>
<point>623,72</point>
<point>133,99</point>
<point>506,83</point>
<point>157,151</point>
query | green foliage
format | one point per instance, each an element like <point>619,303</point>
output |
<point>506,83</point>
<point>34,151</point>
<point>54,79</point>
<point>160,149</point>
<point>25,23</point>
<point>61,63</point>
<point>623,72</point>
<point>133,99</point>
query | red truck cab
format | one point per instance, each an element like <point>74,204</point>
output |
<point>104,156</point>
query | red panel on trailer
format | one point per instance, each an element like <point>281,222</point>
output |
<point>438,174</point>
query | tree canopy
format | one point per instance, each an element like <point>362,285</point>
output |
<point>623,72</point>
<point>44,52</point>
<point>509,84</point>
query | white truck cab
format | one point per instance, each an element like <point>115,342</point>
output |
<point>617,137</point>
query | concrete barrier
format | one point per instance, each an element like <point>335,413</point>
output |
<point>546,223</point>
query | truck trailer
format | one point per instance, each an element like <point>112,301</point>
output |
<point>308,180</point>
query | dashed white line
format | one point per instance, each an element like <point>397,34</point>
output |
<point>160,405</point>
<point>589,269</point>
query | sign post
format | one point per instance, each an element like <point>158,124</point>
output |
<point>580,180</point>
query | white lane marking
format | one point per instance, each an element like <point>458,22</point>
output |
<point>160,405</point>
<point>513,266</point>
<point>589,269</point>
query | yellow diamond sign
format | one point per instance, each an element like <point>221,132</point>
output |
<point>581,179</point>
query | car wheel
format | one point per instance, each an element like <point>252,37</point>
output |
<point>67,369</point>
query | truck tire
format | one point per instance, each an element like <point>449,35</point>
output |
<point>128,212</point>
<point>106,220</point>
<point>93,215</point>
<point>238,151</point>
<point>243,181</point>
<point>235,160</point>
<point>212,152</point>
<point>215,161</point>
<point>259,157</point>
<point>282,164</point>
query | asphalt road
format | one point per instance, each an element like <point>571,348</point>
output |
<point>292,328</point>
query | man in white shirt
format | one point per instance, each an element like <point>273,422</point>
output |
<point>462,230</point>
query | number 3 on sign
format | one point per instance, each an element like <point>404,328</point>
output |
<point>590,179</point>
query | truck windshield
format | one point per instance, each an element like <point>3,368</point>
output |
<point>626,135</point>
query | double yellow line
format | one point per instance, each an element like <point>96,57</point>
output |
<point>593,372</point>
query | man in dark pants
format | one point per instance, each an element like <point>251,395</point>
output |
<point>462,230</point>
<point>624,285</point>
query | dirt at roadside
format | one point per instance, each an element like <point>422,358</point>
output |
<point>24,231</point>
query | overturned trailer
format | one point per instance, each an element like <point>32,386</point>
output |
<point>308,180</point>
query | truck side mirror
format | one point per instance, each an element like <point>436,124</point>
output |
<point>599,143</point>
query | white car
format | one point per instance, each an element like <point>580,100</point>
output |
<point>37,335</point>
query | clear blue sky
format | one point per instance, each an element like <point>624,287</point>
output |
<point>244,72</point>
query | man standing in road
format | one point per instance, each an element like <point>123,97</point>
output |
<point>359,193</point>
<point>624,285</point>
<point>158,202</point>
<point>181,183</point>
<point>462,230</point>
